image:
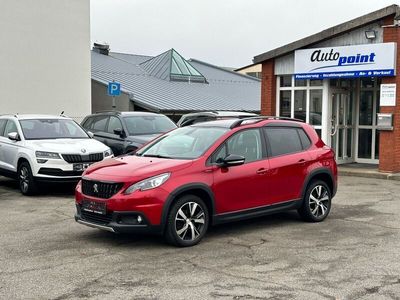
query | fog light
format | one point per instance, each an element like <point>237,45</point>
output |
<point>41,161</point>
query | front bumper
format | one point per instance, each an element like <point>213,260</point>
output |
<point>117,222</point>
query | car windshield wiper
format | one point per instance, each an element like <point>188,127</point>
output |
<point>155,155</point>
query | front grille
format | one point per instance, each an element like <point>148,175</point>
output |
<point>100,189</point>
<point>96,218</point>
<point>78,158</point>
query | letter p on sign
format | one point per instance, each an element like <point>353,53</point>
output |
<point>114,89</point>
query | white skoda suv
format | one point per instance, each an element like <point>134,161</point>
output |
<point>42,148</point>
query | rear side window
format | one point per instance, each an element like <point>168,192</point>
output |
<point>99,123</point>
<point>305,140</point>
<point>2,126</point>
<point>281,141</point>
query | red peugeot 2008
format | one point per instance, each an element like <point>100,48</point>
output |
<point>210,173</point>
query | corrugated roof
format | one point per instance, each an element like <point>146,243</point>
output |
<point>225,90</point>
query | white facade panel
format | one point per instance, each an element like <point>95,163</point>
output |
<point>285,65</point>
<point>45,57</point>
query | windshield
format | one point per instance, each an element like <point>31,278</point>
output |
<point>184,143</point>
<point>40,129</point>
<point>137,125</point>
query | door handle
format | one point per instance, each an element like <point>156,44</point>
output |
<point>302,162</point>
<point>262,171</point>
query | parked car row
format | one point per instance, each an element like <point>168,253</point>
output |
<point>215,168</point>
<point>43,148</point>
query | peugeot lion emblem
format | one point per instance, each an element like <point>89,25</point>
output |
<point>83,150</point>
<point>95,188</point>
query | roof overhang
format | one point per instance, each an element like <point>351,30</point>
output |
<point>330,33</point>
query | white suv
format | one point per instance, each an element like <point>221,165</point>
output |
<point>35,148</point>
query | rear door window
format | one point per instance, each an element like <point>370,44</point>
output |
<point>282,140</point>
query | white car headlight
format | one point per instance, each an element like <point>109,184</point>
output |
<point>47,155</point>
<point>148,184</point>
<point>108,153</point>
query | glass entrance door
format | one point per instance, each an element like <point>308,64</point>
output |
<point>342,127</point>
<point>367,134</point>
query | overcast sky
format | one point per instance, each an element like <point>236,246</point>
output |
<point>223,32</point>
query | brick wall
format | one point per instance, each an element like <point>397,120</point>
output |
<point>389,145</point>
<point>268,88</point>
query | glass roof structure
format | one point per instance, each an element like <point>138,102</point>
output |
<point>172,66</point>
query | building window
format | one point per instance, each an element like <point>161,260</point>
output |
<point>300,99</point>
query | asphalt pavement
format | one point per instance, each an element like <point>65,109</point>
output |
<point>354,254</point>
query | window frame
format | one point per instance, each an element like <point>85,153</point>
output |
<point>108,124</point>
<point>292,89</point>
<point>264,154</point>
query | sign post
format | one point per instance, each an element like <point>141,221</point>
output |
<point>113,90</point>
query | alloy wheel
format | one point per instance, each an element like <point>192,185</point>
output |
<point>189,221</point>
<point>24,179</point>
<point>319,201</point>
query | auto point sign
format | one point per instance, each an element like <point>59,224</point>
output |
<point>368,60</point>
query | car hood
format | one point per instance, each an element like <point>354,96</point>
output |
<point>69,146</point>
<point>133,168</point>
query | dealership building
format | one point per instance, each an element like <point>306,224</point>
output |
<point>343,81</point>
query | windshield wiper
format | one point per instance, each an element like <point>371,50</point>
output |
<point>155,155</point>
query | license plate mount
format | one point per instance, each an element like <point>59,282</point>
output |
<point>81,167</point>
<point>96,207</point>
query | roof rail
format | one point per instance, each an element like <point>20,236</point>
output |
<point>261,118</point>
<point>108,111</point>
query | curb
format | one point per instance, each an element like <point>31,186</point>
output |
<point>370,174</point>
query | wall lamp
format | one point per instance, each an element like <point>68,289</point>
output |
<point>370,34</point>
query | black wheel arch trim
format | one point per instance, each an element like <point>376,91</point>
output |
<point>184,189</point>
<point>316,172</point>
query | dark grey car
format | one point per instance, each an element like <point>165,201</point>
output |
<point>124,132</point>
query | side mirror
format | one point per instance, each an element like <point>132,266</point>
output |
<point>231,160</point>
<point>90,134</point>
<point>119,131</point>
<point>14,136</point>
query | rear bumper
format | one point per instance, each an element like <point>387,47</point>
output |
<point>117,222</point>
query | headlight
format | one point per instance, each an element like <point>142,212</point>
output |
<point>148,184</point>
<point>108,153</point>
<point>42,154</point>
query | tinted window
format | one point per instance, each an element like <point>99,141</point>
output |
<point>10,127</point>
<point>99,123</point>
<point>2,126</point>
<point>305,141</point>
<point>113,124</point>
<point>148,124</point>
<point>283,140</point>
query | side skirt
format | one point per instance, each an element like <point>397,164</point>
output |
<point>256,212</point>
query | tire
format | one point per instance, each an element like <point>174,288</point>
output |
<point>182,230</point>
<point>27,183</point>
<point>317,202</point>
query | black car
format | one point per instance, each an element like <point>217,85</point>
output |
<point>124,132</point>
<point>205,116</point>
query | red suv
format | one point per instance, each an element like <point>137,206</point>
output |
<point>210,173</point>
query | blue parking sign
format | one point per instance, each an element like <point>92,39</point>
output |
<point>114,89</point>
